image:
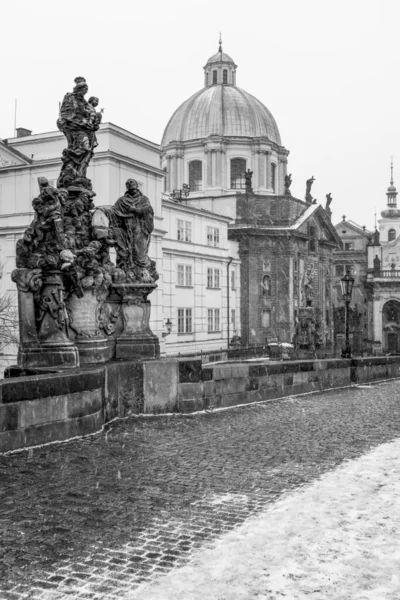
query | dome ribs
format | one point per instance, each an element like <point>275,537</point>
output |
<point>223,110</point>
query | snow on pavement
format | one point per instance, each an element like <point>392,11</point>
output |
<point>337,539</point>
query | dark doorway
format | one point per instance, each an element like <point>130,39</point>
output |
<point>392,342</point>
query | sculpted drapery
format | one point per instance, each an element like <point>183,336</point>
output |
<point>132,221</point>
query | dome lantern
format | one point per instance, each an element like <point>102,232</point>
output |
<point>220,68</point>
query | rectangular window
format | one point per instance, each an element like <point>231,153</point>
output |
<point>339,270</point>
<point>184,275</point>
<point>212,236</point>
<point>184,231</point>
<point>233,280</point>
<point>295,285</point>
<point>266,318</point>
<point>312,244</point>
<point>184,320</point>
<point>213,320</point>
<point>195,175</point>
<point>349,246</point>
<point>238,174</point>
<point>233,319</point>
<point>213,278</point>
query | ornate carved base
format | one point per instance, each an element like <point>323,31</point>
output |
<point>137,340</point>
<point>50,347</point>
<point>92,344</point>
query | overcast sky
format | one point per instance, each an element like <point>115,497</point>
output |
<point>327,70</point>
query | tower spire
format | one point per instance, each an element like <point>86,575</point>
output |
<point>220,43</point>
<point>391,191</point>
<point>391,170</point>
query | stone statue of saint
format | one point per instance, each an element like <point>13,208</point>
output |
<point>308,288</point>
<point>288,183</point>
<point>328,201</point>
<point>131,223</point>
<point>78,121</point>
<point>248,177</point>
<point>309,183</point>
<point>377,266</point>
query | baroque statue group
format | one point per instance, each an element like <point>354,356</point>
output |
<point>76,305</point>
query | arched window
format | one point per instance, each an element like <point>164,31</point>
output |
<point>266,286</point>
<point>391,312</point>
<point>225,76</point>
<point>238,174</point>
<point>273,177</point>
<point>391,235</point>
<point>195,175</point>
<point>214,77</point>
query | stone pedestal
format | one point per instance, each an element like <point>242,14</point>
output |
<point>93,346</point>
<point>43,333</point>
<point>137,340</point>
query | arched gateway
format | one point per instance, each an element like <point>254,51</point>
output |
<point>391,326</point>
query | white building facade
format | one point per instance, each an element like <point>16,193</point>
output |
<point>119,156</point>
<point>383,279</point>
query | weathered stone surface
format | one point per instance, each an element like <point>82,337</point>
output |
<point>124,389</point>
<point>8,417</point>
<point>44,410</point>
<point>190,390</point>
<point>161,382</point>
<point>62,430</point>
<point>42,386</point>
<point>81,405</point>
<point>11,440</point>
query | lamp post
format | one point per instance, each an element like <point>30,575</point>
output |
<point>347,283</point>
<point>178,194</point>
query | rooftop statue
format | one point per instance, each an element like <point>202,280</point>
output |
<point>309,183</point>
<point>79,122</point>
<point>288,183</point>
<point>248,177</point>
<point>328,201</point>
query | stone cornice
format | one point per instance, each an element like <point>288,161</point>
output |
<point>182,207</point>
<point>107,154</point>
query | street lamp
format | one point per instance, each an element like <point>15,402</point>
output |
<point>168,326</point>
<point>184,191</point>
<point>347,283</point>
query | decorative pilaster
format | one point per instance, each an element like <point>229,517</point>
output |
<point>209,168</point>
<point>268,170</point>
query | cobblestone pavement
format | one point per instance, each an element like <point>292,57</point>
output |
<point>97,517</point>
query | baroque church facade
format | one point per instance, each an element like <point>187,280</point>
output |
<point>225,145</point>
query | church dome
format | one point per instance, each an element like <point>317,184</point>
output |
<point>220,134</point>
<point>223,110</point>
